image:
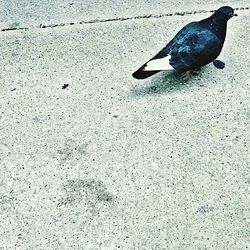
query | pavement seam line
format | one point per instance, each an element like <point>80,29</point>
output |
<point>96,21</point>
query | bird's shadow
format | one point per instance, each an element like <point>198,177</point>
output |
<point>166,82</point>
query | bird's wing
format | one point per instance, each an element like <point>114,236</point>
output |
<point>182,33</point>
<point>161,61</point>
<point>193,46</point>
<point>194,50</point>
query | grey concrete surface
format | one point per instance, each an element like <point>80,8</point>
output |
<point>16,13</point>
<point>110,162</point>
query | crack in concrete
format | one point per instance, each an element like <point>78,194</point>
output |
<point>96,21</point>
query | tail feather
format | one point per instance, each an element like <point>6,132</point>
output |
<point>142,74</point>
<point>152,67</point>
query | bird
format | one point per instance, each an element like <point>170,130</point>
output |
<point>194,46</point>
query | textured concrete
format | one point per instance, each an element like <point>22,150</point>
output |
<point>94,159</point>
<point>16,13</point>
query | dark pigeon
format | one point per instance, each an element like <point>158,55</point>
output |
<point>193,47</point>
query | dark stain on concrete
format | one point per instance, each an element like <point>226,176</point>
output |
<point>72,150</point>
<point>90,192</point>
<point>204,209</point>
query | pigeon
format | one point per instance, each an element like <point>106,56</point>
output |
<point>193,47</point>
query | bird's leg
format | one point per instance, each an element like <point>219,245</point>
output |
<point>186,75</point>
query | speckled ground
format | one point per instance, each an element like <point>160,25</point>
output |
<point>94,159</point>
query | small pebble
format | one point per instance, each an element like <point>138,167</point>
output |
<point>65,86</point>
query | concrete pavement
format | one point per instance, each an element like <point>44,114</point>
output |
<point>94,159</point>
<point>26,13</point>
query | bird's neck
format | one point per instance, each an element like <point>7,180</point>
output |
<point>217,25</point>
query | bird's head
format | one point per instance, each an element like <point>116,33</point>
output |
<point>225,13</point>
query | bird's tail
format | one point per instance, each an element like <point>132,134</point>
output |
<point>142,74</point>
<point>152,67</point>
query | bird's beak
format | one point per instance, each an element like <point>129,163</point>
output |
<point>234,15</point>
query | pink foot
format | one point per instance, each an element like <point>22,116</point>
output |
<point>186,75</point>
